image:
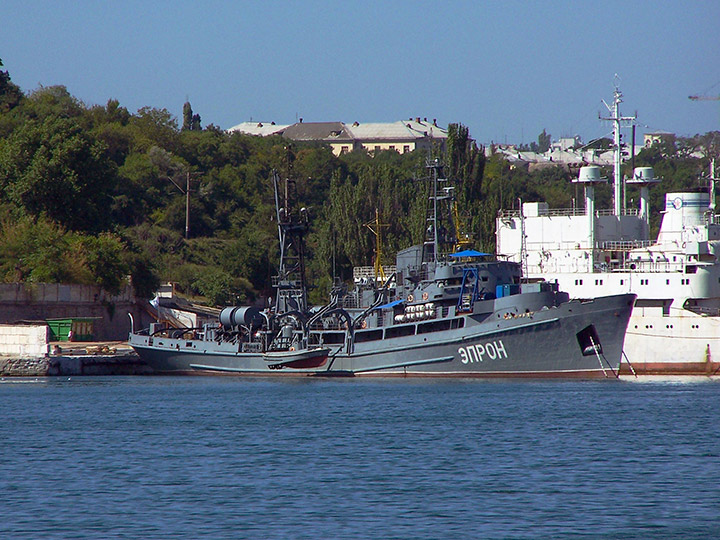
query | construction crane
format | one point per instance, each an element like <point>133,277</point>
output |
<point>706,95</point>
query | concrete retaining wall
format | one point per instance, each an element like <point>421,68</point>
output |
<point>42,301</point>
<point>124,364</point>
<point>25,340</point>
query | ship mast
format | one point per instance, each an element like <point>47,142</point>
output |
<point>292,226</point>
<point>617,121</point>
<point>712,184</point>
<point>436,231</point>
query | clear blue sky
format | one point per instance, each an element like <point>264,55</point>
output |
<point>506,69</point>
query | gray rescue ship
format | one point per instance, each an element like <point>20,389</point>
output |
<point>439,314</point>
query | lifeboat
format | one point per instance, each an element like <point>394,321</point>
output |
<point>297,359</point>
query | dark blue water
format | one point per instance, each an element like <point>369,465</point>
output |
<point>206,457</point>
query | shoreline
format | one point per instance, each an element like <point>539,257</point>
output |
<point>77,358</point>
<point>118,358</point>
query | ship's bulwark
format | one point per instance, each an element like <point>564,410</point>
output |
<point>540,344</point>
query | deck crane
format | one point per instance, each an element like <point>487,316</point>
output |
<point>375,227</point>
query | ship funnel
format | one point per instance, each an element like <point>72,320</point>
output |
<point>683,211</point>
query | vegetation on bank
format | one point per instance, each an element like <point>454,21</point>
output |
<point>96,195</point>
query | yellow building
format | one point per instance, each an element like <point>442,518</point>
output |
<point>655,137</point>
<point>402,136</point>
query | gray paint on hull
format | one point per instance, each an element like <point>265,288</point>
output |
<point>543,344</point>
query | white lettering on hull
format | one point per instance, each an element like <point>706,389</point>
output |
<point>495,350</point>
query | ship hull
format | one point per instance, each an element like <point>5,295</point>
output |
<point>681,343</point>
<point>539,344</point>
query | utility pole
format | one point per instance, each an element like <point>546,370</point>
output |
<point>185,191</point>
<point>187,205</point>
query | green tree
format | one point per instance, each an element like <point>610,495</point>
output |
<point>52,102</point>
<point>153,127</point>
<point>53,167</point>
<point>104,256</point>
<point>10,93</point>
<point>466,166</point>
<point>187,116</point>
<point>40,251</point>
<point>543,142</point>
<point>190,121</point>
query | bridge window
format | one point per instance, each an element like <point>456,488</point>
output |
<point>399,331</point>
<point>435,326</point>
<point>368,335</point>
<point>457,323</point>
<point>332,337</point>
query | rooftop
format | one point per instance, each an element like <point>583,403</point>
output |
<point>262,129</point>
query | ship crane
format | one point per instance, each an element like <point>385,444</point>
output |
<point>375,227</point>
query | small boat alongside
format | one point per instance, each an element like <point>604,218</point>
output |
<point>301,359</point>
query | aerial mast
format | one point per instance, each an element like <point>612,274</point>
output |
<point>436,233</point>
<point>617,121</point>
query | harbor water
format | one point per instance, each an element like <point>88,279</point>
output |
<point>226,457</point>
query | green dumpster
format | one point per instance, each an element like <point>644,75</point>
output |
<point>82,329</point>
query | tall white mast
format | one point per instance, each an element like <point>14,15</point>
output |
<point>617,121</point>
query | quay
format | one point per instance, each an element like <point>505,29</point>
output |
<point>75,358</point>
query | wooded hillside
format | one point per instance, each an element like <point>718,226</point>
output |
<point>96,195</point>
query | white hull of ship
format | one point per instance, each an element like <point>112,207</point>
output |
<point>685,343</point>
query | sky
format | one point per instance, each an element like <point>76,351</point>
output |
<point>506,69</point>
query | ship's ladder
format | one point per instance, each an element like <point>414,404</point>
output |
<point>469,289</point>
<point>600,356</point>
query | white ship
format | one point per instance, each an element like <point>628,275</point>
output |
<point>675,324</point>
